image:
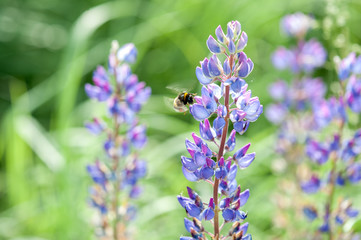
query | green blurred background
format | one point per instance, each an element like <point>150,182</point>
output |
<point>48,50</point>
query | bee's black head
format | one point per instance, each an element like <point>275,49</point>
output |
<point>190,98</point>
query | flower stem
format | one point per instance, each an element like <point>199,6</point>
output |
<point>334,158</point>
<point>115,157</point>
<point>220,154</point>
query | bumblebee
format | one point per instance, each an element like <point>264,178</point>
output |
<point>181,101</point>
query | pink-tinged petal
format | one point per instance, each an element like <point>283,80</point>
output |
<point>241,152</point>
<point>231,142</point>
<point>208,214</point>
<point>311,186</point>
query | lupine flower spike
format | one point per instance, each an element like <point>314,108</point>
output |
<point>116,176</point>
<point>294,110</point>
<point>343,155</point>
<point>225,96</point>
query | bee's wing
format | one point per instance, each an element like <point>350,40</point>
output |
<point>175,106</point>
<point>169,102</point>
<point>177,89</point>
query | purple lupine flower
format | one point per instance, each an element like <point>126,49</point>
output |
<point>354,173</point>
<point>345,211</point>
<point>96,126</point>
<point>231,142</point>
<point>311,55</point>
<point>351,148</point>
<point>353,94</point>
<point>351,212</point>
<point>276,113</point>
<point>297,24</point>
<point>251,106</point>
<point>213,45</point>
<point>310,212</point>
<point>205,106</point>
<point>326,112</point>
<point>306,57</point>
<point>356,68</point>
<point>345,67</point>
<point>220,80</point>
<point>208,213</point>
<point>317,152</point>
<point>245,65</point>
<point>125,96</point>
<point>137,136</point>
<point>193,205</point>
<point>200,165</point>
<point>102,89</point>
<point>206,131</point>
<point>137,96</point>
<point>97,173</point>
<point>283,58</point>
<point>279,90</point>
<point>314,88</point>
<point>325,227</point>
<point>134,171</point>
<point>303,92</point>
<point>311,186</point>
<point>301,107</point>
<point>299,96</point>
<point>128,53</point>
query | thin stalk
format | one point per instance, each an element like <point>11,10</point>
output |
<point>220,154</point>
<point>115,157</point>
<point>331,194</point>
<point>334,158</point>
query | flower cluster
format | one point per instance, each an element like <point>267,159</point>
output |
<point>307,55</point>
<point>304,94</point>
<point>228,101</point>
<point>305,115</point>
<point>342,154</point>
<point>296,110</point>
<point>116,177</point>
<point>349,68</point>
<point>297,24</point>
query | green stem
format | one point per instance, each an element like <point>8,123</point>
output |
<point>115,166</point>
<point>334,158</point>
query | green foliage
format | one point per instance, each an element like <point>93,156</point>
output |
<point>48,50</point>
